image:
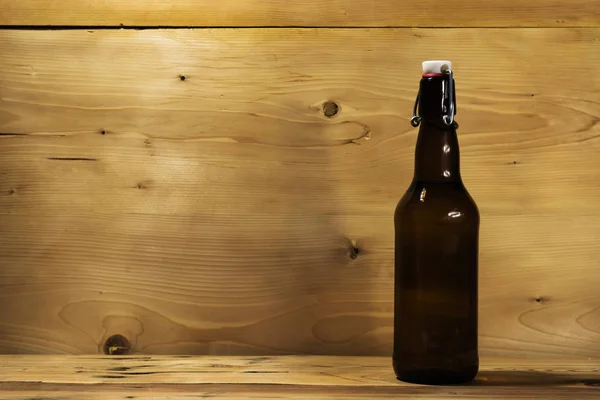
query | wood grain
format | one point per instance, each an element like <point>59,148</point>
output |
<point>226,214</point>
<point>280,377</point>
<point>236,13</point>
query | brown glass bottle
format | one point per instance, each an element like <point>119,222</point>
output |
<point>436,252</point>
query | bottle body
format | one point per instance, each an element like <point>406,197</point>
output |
<point>436,251</point>
<point>436,262</point>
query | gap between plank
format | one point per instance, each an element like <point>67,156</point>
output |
<point>148,27</point>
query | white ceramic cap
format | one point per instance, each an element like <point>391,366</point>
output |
<point>436,67</point>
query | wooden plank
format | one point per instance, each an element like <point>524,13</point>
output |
<point>245,392</point>
<point>236,13</point>
<point>281,377</point>
<point>216,285</point>
<point>225,214</point>
<point>271,370</point>
<point>286,378</point>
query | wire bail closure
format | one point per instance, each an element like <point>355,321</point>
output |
<point>415,121</point>
<point>447,118</point>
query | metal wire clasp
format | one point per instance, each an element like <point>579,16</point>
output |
<point>449,93</point>
<point>415,121</point>
<point>449,117</point>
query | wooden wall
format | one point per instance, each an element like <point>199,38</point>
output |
<point>196,190</point>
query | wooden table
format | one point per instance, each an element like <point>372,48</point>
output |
<point>287,377</point>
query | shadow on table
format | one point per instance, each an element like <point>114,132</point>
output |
<point>534,378</point>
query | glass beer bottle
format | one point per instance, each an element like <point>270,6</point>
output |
<point>436,249</point>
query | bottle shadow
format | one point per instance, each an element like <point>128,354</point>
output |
<point>535,378</point>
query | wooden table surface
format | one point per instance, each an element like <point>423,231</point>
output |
<point>286,377</point>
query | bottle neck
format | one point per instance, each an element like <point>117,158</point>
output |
<point>437,156</point>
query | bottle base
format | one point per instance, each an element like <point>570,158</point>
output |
<point>438,376</point>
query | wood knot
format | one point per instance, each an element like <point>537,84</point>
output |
<point>143,184</point>
<point>330,109</point>
<point>117,345</point>
<point>120,369</point>
<point>354,250</point>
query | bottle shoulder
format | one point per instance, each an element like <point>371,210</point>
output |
<point>449,201</point>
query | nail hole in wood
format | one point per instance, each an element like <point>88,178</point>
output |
<point>117,345</point>
<point>11,191</point>
<point>330,108</point>
<point>103,132</point>
<point>539,299</point>
<point>182,77</point>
